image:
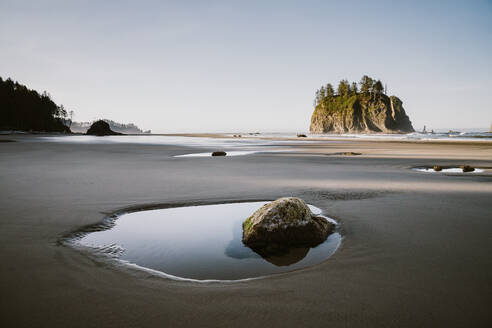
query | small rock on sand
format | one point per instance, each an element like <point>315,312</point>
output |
<point>467,168</point>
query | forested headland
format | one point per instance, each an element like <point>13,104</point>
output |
<point>24,109</point>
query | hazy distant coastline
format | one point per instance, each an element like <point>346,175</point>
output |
<point>128,128</point>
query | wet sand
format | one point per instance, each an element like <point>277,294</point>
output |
<point>415,253</point>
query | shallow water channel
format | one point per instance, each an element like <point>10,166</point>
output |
<point>199,242</point>
<point>447,170</point>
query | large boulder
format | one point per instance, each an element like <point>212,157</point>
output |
<point>283,223</point>
<point>101,128</point>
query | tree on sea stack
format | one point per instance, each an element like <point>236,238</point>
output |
<point>366,84</point>
<point>378,88</point>
<point>353,89</point>
<point>330,92</point>
<point>343,88</point>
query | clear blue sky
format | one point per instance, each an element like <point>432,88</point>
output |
<point>189,66</point>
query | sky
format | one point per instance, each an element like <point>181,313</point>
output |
<point>247,66</point>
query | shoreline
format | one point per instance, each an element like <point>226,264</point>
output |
<point>466,150</point>
<point>341,138</point>
<point>365,137</point>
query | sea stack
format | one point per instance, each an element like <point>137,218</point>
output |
<point>101,128</point>
<point>349,110</point>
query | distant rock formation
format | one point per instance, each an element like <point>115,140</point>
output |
<point>129,128</point>
<point>351,111</point>
<point>101,128</point>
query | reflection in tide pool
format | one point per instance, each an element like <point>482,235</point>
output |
<point>199,242</point>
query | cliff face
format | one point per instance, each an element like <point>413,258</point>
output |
<point>361,114</point>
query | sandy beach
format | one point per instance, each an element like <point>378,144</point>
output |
<point>415,249</point>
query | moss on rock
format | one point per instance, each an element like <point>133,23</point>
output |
<point>283,223</point>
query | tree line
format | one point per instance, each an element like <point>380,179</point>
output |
<point>368,87</point>
<point>27,110</point>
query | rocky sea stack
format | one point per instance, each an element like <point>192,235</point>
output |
<point>101,128</point>
<point>284,223</point>
<point>350,110</point>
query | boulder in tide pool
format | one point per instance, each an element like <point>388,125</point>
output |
<point>219,153</point>
<point>283,223</point>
